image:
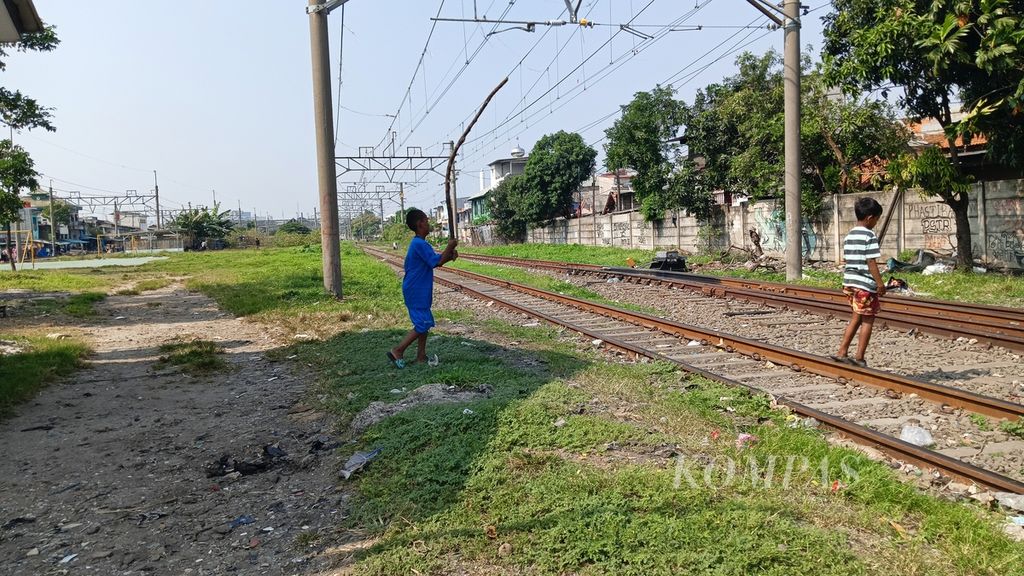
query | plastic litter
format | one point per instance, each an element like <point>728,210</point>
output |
<point>1010,500</point>
<point>433,361</point>
<point>357,462</point>
<point>916,435</point>
<point>468,412</point>
<point>242,521</point>
<point>67,558</point>
<point>744,440</point>
<point>937,268</point>
<point>1018,520</point>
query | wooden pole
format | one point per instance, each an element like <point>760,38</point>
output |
<point>448,175</point>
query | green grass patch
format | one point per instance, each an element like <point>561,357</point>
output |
<point>59,280</point>
<point>603,255</point>
<point>195,357</point>
<point>286,281</point>
<point>39,362</point>
<point>541,281</point>
<point>558,460</point>
<point>992,288</point>
<point>78,305</point>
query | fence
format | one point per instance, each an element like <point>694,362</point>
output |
<point>996,215</point>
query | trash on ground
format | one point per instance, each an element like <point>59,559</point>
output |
<point>357,462</point>
<point>744,440</point>
<point>693,343</point>
<point>560,423</point>
<point>597,343</point>
<point>433,361</point>
<point>242,521</point>
<point>916,435</point>
<point>468,412</point>
<point>67,558</point>
<point>937,268</point>
<point>1010,500</point>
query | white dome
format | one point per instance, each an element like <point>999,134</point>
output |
<point>518,152</point>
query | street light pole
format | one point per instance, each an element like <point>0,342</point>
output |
<point>323,117</point>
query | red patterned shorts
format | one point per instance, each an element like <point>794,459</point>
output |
<point>861,301</point>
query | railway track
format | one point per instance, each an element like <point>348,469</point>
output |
<point>993,325</point>
<point>865,405</point>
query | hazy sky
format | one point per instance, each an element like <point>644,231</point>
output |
<point>217,95</point>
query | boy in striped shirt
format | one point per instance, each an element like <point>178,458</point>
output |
<point>862,282</point>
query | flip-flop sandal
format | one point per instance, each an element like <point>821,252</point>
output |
<point>398,362</point>
<point>841,359</point>
<point>859,363</point>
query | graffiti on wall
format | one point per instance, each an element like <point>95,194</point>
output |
<point>937,224</point>
<point>1007,247</point>
<point>771,223</point>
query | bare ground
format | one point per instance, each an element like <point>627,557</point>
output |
<point>114,471</point>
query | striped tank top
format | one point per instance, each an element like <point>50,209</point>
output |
<point>860,246</point>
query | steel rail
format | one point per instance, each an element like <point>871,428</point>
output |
<point>996,326</point>
<point>855,432</point>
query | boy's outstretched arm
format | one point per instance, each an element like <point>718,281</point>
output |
<point>449,252</point>
<point>873,269</point>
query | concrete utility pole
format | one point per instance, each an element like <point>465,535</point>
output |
<point>156,191</point>
<point>790,23</point>
<point>53,225</point>
<point>794,237</point>
<point>323,117</point>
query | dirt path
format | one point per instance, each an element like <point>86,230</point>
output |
<point>110,471</point>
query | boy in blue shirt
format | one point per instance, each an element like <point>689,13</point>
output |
<point>418,286</point>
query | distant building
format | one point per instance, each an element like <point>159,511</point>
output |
<point>616,188</point>
<point>500,169</point>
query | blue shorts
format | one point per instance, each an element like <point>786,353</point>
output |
<point>422,319</point>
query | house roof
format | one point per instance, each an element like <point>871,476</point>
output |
<point>521,159</point>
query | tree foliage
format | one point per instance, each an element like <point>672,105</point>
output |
<point>17,110</point>
<point>198,224</point>
<point>558,164</point>
<point>17,171</point>
<point>293,226</point>
<point>936,52</point>
<point>735,135</point>
<point>642,140</point>
<point>506,208</point>
<point>366,226</point>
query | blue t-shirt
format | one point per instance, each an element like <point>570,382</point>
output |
<point>418,284</point>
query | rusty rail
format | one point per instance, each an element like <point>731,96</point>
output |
<point>856,432</point>
<point>993,325</point>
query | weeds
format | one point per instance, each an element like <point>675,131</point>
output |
<point>39,362</point>
<point>195,357</point>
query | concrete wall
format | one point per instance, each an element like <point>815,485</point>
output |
<point>914,222</point>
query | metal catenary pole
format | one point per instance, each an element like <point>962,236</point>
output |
<point>53,225</point>
<point>324,122</point>
<point>156,191</point>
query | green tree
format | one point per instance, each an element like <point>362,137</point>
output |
<point>293,226</point>
<point>17,171</point>
<point>20,112</point>
<point>17,110</point>
<point>506,208</point>
<point>935,52</point>
<point>840,133</point>
<point>987,35</point>
<point>642,139</point>
<point>558,164</point>
<point>199,224</point>
<point>735,136</point>
<point>366,226</point>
